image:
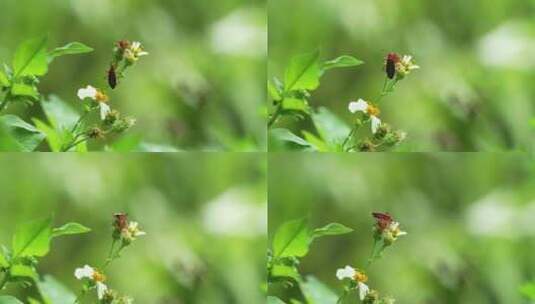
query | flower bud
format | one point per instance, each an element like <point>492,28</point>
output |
<point>95,133</point>
<point>371,297</point>
<point>382,132</point>
<point>112,117</point>
<point>366,146</point>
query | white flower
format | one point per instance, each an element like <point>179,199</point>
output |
<point>88,272</point>
<point>101,290</point>
<point>347,272</point>
<point>87,92</point>
<point>137,49</point>
<point>376,123</point>
<point>104,110</point>
<point>134,230</point>
<point>363,290</point>
<point>364,107</point>
<point>407,62</point>
<point>98,96</point>
<point>85,272</point>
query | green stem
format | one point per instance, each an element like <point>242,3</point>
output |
<point>77,124</point>
<point>275,115</point>
<point>79,297</point>
<point>74,143</point>
<point>342,297</point>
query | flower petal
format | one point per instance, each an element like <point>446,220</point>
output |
<point>376,123</point>
<point>359,105</point>
<point>347,272</point>
<point>87,92</point>
<point>101,290</point>
<point>104,110</point>
<point>84,272</point>
<point>363,290</point>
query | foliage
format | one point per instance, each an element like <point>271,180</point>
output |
<point>291,99</point>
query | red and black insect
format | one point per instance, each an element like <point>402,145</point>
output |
<point>121,221</point>
<point>112,77</point>
<point>383,220</point>
<point>390,66</point>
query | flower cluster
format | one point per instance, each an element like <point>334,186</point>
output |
<point>125,54</point>
<point>399,66</point>
<point>94,279</point>
<point>396,68</point>
<point>386,231</point>
<point>125,231</point>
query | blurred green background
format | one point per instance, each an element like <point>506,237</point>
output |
<point>202,85</point>
<point>474,91</point>
<point>205,218</point>
<point>469,219</point>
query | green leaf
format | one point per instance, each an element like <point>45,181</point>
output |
<point>342,62</point>
<point>53,138</point>
<point>316,292</point>
<point>32,238</point>
<point>528,290</point>
<point>7,142</point>
<point>26,135</point>
<point>60,115</point>
<point>303,73</point>
<point>53,292</point>
<point>3,260</point>
<point>70,228</point>
<point>274,300</point>
<point>22,89</point>
<point>331,229</point>
<point>295,104</point>
<point>285,135</point>
<point>31,58</point>
<point>318,144</point>
<point>70,49</point>
<point>330,128</point>
<point>280,270</point>
<point>9,300</point>
<point>33,301</point>
<point>23,271</point>
<point>4,81</point>
<point>292,239</point>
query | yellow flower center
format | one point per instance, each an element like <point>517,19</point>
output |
<point>98,277</point>
<point>373,110</point>
<point>101,97</point>
<point>360,277</point>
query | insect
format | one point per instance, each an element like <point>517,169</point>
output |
<point>121,221</point>
<point>390,68</point>
<point>112,77</point>
<point>383,219</point>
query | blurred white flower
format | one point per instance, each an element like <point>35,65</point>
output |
<point>98,96</point>
<point>240,33</point>
<point>104,110</point>
<point>362,106</point>
<point>510,45</point>
<point>87,92</point>
<point>85,272</point>
<point>347,272</point>
<point>236,213</point>
<point>359,277</point>
<point>88,272</point>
